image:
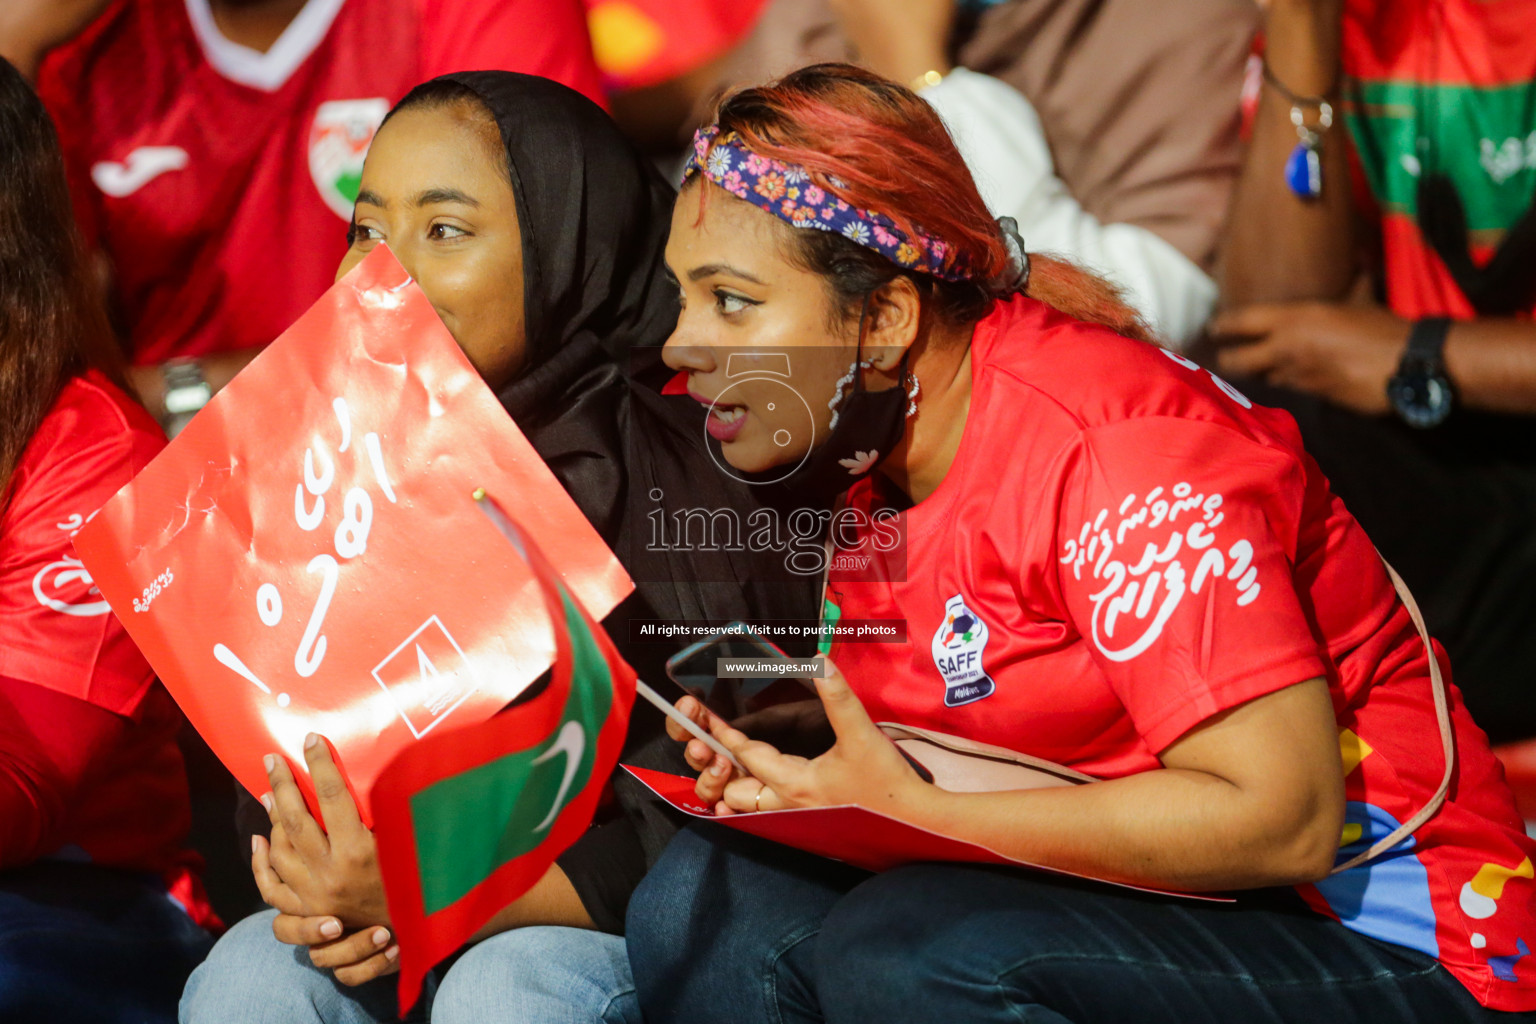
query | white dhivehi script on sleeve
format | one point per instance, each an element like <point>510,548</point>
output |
<point>1148,553</point>
<point>65,586</point>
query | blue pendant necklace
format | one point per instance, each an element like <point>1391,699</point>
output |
<point>1304,167</point>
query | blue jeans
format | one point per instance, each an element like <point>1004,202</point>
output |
<point>524,976</point>
<point>81,944</point>
<point>727,927</point>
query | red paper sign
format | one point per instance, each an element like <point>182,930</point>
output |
<point>854,835</point>
<point>306,556</point>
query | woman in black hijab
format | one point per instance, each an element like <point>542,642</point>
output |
<point>547,286</point>
<point>593,218</point>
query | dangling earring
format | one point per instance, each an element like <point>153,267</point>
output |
<point>842,382</point>
<point>912,393</point>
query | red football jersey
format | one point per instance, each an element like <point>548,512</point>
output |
<point>220,180</point>
<point>1126,546</point>
<point>57,632</point>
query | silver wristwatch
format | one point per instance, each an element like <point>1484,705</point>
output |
<point>186,391</point>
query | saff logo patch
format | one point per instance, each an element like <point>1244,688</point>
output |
<point>958,647</point>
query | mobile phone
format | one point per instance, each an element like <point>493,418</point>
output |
<point>695,669</point>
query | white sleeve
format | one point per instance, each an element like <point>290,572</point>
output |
<point>999,135</point>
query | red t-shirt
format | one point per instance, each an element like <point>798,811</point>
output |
<point>132,810</point>
<point>220,181</point>
<point>1126,546</point>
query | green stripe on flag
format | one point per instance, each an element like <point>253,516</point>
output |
<point>469,825</point>
<point>1484,139</point>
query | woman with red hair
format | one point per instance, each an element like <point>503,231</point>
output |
<point>1111,559</point>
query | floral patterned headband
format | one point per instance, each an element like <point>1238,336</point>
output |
<point>787,192</point>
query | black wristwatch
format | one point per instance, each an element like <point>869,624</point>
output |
<point>1420,391</point>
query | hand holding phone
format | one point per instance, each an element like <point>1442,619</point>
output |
<point>679,720</point>
<point>762,706</point>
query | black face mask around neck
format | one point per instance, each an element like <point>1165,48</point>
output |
<point>869,425</point>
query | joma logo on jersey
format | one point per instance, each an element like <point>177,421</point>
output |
<point>338,142</point>
<point>958,646</point>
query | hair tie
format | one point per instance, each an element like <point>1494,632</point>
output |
<point>1015,276</point>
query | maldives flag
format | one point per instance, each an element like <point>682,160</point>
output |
<point>468,819</point>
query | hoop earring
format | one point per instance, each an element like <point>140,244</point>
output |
<point>842,383</point>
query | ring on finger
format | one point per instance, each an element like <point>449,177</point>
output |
<point>757,804</point>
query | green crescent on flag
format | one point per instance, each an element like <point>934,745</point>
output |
<point>467,820</point>
<point>468,825</point>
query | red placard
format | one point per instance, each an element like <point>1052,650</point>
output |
<point>854,835</point>
<point>306,556</point>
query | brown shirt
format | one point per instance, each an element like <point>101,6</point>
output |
<point>1139,98</point>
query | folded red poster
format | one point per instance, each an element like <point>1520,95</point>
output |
<point>854,835</point>
<point>305,556</point>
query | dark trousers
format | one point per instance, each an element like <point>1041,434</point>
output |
<point>731,928</point>
<point>81,944</point>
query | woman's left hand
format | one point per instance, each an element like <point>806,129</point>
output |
<point>863,767</point>
<point>332,871</point>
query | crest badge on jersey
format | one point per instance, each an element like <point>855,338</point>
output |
<point>338,142</point>
<point>958,647</point>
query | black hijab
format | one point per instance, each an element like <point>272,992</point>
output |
<point>594,213</point>
<point>594,217</point>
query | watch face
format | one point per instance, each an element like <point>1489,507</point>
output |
<point>187,398</point>
<point>1423,399</point>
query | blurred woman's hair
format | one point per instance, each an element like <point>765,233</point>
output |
<point>880,147</point>
<point>53,323</point>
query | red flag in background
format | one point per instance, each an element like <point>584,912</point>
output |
<point>468,819</point>
<point>303,557</point>
<point>642,42</point>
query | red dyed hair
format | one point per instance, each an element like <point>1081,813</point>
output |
<point>878,146</point>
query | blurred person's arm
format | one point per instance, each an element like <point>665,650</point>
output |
<point>1280,247</point>
<point>218,369</point>
<point>1348,353</point>
<point>900,39</point>
<point>1492,363</point>
<point>1000,136</point>
<point>50,743</point>
<point>30,28</point>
